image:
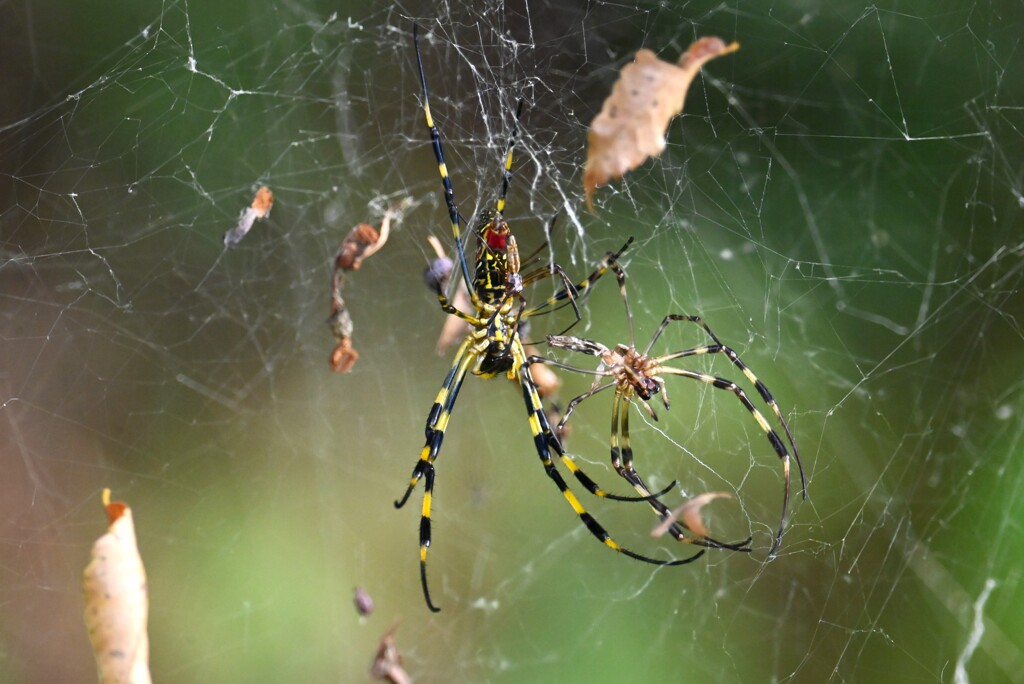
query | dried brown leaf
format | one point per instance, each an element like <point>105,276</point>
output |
<point>632,122</point>
<point>117,601</point>
<point>355,246</point>
<point>689,513</point>
<point>387,663</point>
<point>344,356</point>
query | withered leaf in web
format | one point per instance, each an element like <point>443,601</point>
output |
<point>343,356</point>
<point>117,601</point>
<point>632,122</point>
<point>259,209</point>
<point>387,663</point>
<point>362,242</point>
<point>689,513</point>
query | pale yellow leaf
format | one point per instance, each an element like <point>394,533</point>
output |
<point>117,601</point>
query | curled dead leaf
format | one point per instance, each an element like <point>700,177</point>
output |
<point>387,663</point>
<point>362,242</point>
<point>343,356</point>
<point>117,601</point>
<point>689,514</point>
<point>632,122</point>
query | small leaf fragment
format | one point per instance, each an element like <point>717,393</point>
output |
<point>259,209</point>
<point>689,515</point>
<point>387,663</point>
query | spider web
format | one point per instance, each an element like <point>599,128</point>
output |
<point>841,201</point>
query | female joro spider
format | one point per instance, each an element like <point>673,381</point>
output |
<point>633,373</point>
<point>493,346</point>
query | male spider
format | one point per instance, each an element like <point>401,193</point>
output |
<point>636,374</point>
<point>493,345</point>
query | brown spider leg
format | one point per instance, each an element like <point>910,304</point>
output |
<point>535,412</point>
<point>540,248</point>
<point>576,401</point>
<point>570,289</point>
<point>719,348</point>
<point>437,421</point>
<point>620,276</point>
<point>553,442</point>
<point>773,437</point>
<point>557,300</point>
<point>588,346</point>
<point>622,461</point>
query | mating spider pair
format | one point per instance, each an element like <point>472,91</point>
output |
<point>493,347</point>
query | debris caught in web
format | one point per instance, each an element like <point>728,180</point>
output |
<point>387,664</point>
<point>689,514</point>
<point>362,242</point>
<point>259,209</point>
<point>632,122</point>
<point>362,601</point>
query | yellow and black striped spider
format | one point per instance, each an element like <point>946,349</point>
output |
<point>493,346</point>
<point>633,373</point>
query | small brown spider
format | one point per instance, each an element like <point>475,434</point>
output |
<point>633,373</point>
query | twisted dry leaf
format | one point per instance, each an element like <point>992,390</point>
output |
<point>362,242</point>
<point>632,122</point>
<point>117,601</point>
<point>689,512</point>
<point>387,663</point>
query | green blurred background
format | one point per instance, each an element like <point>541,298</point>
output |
<point>842,201</point>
